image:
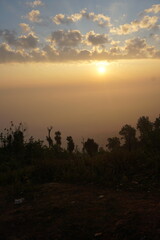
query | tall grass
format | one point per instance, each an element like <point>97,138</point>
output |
<point>119,169</point>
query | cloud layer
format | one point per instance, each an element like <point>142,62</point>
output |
<point>71,45</point>
<point>122,41</point>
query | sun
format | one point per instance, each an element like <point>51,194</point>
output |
<point>102,67</point>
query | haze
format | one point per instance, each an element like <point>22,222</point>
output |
<point>49,66</point>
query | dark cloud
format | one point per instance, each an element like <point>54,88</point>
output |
<point>24,41</point>
<point>8,36</point>
<point>97,39</point>
<point>9,55</point>
<point>70,38</point>
<point>29,41</point>
<point>138,47</point>
<point>71,46</point>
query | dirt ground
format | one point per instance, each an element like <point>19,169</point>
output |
<point>66,211</point>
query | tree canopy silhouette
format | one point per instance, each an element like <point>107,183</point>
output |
<point>70,144</point>
<point>91,147</point>
<point>113,143</point>
<point>128,133</point>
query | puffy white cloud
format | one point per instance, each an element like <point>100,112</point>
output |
<point>154,9</point>
<point>146,22</point>
<point>63,19</point>
<point>25,27</point>
<point>96,39</point>
<point>33,16</point>
<point>68,38</point>
<point>100,19</point>
<point>35,3</point>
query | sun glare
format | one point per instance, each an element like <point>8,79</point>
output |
<point>102,67</point>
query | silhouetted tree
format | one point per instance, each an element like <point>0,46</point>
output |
<point>70,144</point>
<point>83,149</point>
<point>157,123</point>
<point>113,143</point>
<point>156,126</point>
<point>6,138</point>
<point>145,127</point>
<point>128,133</point>
<point>13,138</point>
<point>58,138</point>
<point>48,138</point>
<point>57,146</point>
<point>18,138</point>
<point>91,147</point>
<point>34,149</point>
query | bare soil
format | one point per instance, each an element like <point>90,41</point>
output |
<point>67,211</point>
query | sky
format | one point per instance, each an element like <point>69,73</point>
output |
<point>85,67</point>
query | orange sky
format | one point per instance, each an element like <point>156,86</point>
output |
<point>76,99</point>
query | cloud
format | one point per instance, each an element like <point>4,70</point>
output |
<point>139,48</point>
<point>29,41</point>
<point>156,37</point>
<point>146,22</point>
<point>96,39</point>
<point>100,19</point>
<point>38,55</point>
<point>133,49</point>
<point>35,3</point>
<point>25,27</point>
<point>70,46</point>
<point>34,16</point>
<point>67,54</point>
<point>63,19</point>
<point>154,9</point>
<point>68,38</point>
<point>9,55</point>
<point>10,38</point>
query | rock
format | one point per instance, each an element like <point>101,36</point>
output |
<point>98,234</point>
<point>19,201</point>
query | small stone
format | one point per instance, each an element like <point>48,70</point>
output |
<point>98,234</point>
<point>101,196</point>
<point>19,201</point>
